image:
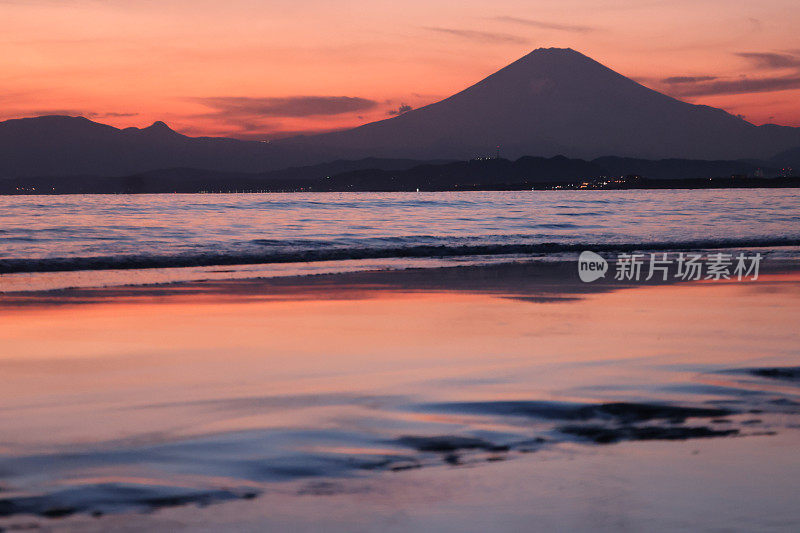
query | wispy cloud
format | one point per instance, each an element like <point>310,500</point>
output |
<point>769,60</point>
<point>675,80</point>
<point>289,106</point>
<point>42,112</point>
<point>740,86</point>
<point>786,77</point>
<point>573,28</point>
<point>482,36</point>
<point>254,117</point>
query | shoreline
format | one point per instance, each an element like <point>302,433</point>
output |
<point>531,279</point>
<point>443,251</point>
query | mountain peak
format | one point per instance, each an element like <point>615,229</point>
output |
<point>157,130</point>
<point>551,67</point>
<point>159,125</point>
<point>555,54</point>
<point>553,59</point>
<point>556,51</point>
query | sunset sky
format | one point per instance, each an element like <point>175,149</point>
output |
<point>262,69</point>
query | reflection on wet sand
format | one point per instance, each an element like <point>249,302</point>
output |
<point>133,399</point>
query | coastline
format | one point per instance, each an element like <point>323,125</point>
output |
<point>532,279</point>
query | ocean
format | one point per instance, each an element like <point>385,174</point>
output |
<point>178,237</point>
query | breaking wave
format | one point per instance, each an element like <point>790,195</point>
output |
<point>295,252</point>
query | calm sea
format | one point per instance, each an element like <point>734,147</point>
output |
<point>91,233</point>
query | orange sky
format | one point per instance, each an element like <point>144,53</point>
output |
<point>246,67</point>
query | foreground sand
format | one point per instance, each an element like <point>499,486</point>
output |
<point>459,399</point>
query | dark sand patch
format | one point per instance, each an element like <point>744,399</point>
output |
<point>782,373</point>
<point>622,412</point>
<point>102,498</point>
<point>449,443</point>
<point>610,435</point>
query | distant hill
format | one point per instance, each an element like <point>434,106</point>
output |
<point>64,146</point>
<point>788,158</point>
<point>550,102</point>
<point>684,168</point>
<point>535,172</point>
<point>408,175</point>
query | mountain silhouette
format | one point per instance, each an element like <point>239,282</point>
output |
<point>558,101</point>
<point>550,102</point>
<point>61,145</point>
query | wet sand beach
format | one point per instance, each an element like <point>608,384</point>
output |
<point>466,398</point>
